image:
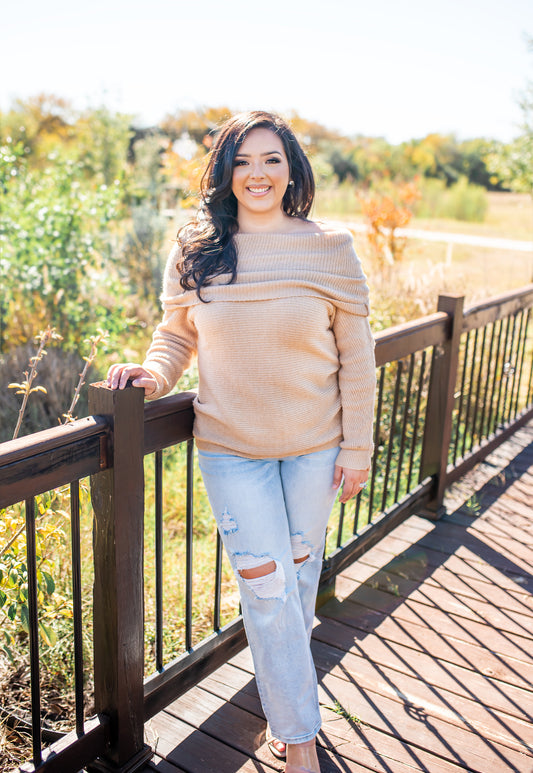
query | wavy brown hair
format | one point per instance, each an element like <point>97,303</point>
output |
<point>207,246</point>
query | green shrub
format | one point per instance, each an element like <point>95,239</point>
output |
<point>461,201</point>
<point>50,540</point>
<point>467,202</point>
<point>57,258</point>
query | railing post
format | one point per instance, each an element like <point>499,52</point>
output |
<point>118,533</point>
<point>441,399</point>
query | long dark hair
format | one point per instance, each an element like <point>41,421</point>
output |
<point>207,247</point>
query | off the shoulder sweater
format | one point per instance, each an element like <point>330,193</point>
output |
<point>285,353</point>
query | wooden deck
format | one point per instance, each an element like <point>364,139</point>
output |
<point>425,658</point>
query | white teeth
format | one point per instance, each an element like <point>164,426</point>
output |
<point>258,190</point>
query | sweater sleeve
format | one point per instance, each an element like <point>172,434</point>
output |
<point>357,385</point>
<point>174,340</point>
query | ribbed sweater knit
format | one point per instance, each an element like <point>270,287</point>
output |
<point>285,353</point>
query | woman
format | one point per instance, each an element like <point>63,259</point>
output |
<point>275,306</point>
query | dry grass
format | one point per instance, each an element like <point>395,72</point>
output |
<point>429,268</point>
<point>509,216</point>
<point>14,747</point>
<point>58,372</point>
<point>15,721</point>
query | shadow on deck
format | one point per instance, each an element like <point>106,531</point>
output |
<point>424,658</point>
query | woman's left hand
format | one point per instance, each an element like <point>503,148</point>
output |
<point>354,481</point>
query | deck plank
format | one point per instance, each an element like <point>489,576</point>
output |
<point>161,765</point>
<point>237,686</point>
<point>197,752</point>
<point>386,686</point>
<point>424,658</point>
<point>388,578</point>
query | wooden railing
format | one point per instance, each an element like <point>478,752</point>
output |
<point>451,386</point>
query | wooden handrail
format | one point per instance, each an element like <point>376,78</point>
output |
<point>47,440</point>
<point>400,341</point>
<point>159,431</point>
<point>496,308</point>
<point>52,458</point>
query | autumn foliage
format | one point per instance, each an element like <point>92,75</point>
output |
<point>385,213</point>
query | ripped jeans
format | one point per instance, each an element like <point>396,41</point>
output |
<point>272,516</point>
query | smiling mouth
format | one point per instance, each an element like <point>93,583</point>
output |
<point>259,189</point>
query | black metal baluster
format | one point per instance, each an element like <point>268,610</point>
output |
<point>218,585</point>
<point>502,376</point>
<point>486,387</point>
<point>469,400</point>
<point>516,365</point>
<point>357,512</point>
<point>478,388</point>
<point>158,462</point>
<point>461,399</point>
<point>33,631</point>
<point>525,336</point>
<point>189,546</point>
<point>342,508</point>
<point>376,442</point>
<point>406,408</point>
<point>75,542</point>
<point>392,430</point>
<point>416,418</point>
<point>509,369</point>
<point>494,378</point>
<point>530,385</point>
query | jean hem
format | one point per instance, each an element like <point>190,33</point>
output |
<point>296,739</point>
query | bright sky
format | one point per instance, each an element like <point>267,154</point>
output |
<point>387,68</point>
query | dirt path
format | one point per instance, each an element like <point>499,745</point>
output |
<point>449,238</point>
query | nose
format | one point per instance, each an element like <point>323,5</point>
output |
<point>256,170</point>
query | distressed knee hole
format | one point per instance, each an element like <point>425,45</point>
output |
<point>301,550</point>
<point>266,578</point>
<point>258,571</point>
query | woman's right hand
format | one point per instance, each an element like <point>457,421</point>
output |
<point>118,376</point>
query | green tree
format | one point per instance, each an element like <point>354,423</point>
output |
<point>198,124</point>
<point>473,164</point>
<point>102,144</point>
<point>40,123</point>
<point>513,163</point>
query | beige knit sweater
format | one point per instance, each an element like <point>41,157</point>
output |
<point>285,353</point>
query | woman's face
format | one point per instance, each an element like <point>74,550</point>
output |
<point>260,173</point>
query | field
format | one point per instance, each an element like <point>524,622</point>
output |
<point>429,268</point>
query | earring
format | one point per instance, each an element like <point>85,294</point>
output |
<point>291,183</point>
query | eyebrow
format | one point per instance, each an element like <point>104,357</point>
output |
<point>268,153</point>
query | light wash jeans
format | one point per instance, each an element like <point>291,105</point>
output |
<point>277,510</point>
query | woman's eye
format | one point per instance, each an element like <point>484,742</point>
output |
<point>273,161</point>
<point>240,162</point>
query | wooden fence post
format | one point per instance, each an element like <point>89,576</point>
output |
<point>118,535</point>
<point>441,399</point>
